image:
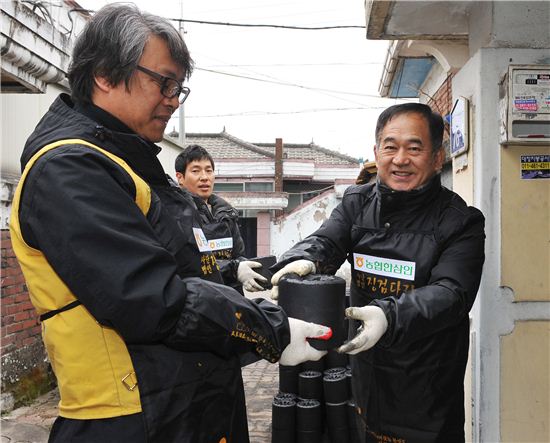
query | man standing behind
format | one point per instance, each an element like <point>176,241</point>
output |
<point>195,173</point>
<point>416,251</point>
<point>142,348</point>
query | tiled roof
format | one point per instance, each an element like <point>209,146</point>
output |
<point>225,146</point>
<point>311,151</point>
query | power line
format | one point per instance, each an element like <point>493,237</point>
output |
<point>263,113</point>
<point>250,25</point>
<point>271,65</point>
<point>286,83</point>
<point>247,25</point>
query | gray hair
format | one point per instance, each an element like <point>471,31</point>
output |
<point>112,44</point>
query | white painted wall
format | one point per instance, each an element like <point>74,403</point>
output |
<point>168,154</point>
<point>254,168</point>
<point>302,222</point>
<point>20,115</point>
<point>329,174</point>
<point>305,219</point>
<point>298,169</point>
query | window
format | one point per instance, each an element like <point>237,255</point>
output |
<point>259,186</point>
<point>228,187</point>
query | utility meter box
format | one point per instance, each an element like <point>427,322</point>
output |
<point>525,105</point>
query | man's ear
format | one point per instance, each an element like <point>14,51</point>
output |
<point>180,177</point>
<point>102,83</point>
<point>439,159</point>
<point>375,154</point>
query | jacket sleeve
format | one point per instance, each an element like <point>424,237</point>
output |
<point>218,318</point>
<point>327,247</point>
<point>78,209</point>
<point>228,270</point>
<point>229,267</point>
<point>451,291</point>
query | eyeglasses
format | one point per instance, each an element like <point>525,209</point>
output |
<point>169,87</point>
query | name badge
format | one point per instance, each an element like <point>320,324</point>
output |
<point>384,266</point>
<point>221,243</point>
<point>202,242</point>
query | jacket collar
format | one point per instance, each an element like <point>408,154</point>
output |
<point>406,201</point>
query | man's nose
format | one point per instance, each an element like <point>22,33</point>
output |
<point>173,103</point>
<point>401,157</point>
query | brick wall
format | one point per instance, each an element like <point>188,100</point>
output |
<point>21,342</point>
<point>442,102</point>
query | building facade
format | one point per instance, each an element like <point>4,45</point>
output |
<point>273,183</point>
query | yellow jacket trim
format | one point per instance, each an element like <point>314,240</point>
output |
<point>94,371</point>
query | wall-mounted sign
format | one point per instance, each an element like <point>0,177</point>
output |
<point>535,166</point>
<point>459,127</point>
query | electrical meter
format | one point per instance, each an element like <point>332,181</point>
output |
<point>526,105</point>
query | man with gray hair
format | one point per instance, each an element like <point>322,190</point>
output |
<point>144,347</point>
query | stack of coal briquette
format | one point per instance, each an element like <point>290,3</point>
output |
<point>314,403</point>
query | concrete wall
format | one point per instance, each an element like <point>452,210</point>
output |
<point>506,24</point>
<point>304,220</point>
<point>511,318</point>
<point>20,115</point>
<point>479,179</point>
<point>508,374</point>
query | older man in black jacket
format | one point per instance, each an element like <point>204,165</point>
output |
<point>143,346</point>
<point>416,252</point>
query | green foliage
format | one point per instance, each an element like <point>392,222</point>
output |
<point>38,382</point>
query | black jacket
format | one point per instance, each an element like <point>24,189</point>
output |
<point>138,275</point>
<point>417,255</point>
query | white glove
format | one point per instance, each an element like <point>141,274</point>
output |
<point>300,267</point>
<point>374,326</point>
<point>248,277</point>
<point>299,350</point>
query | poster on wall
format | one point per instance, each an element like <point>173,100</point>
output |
<point>459,127</point>
<point>535,166</point>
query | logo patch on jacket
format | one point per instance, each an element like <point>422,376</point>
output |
<point>384,266</point>
<point>202,242</point>
<point>220,243</point>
